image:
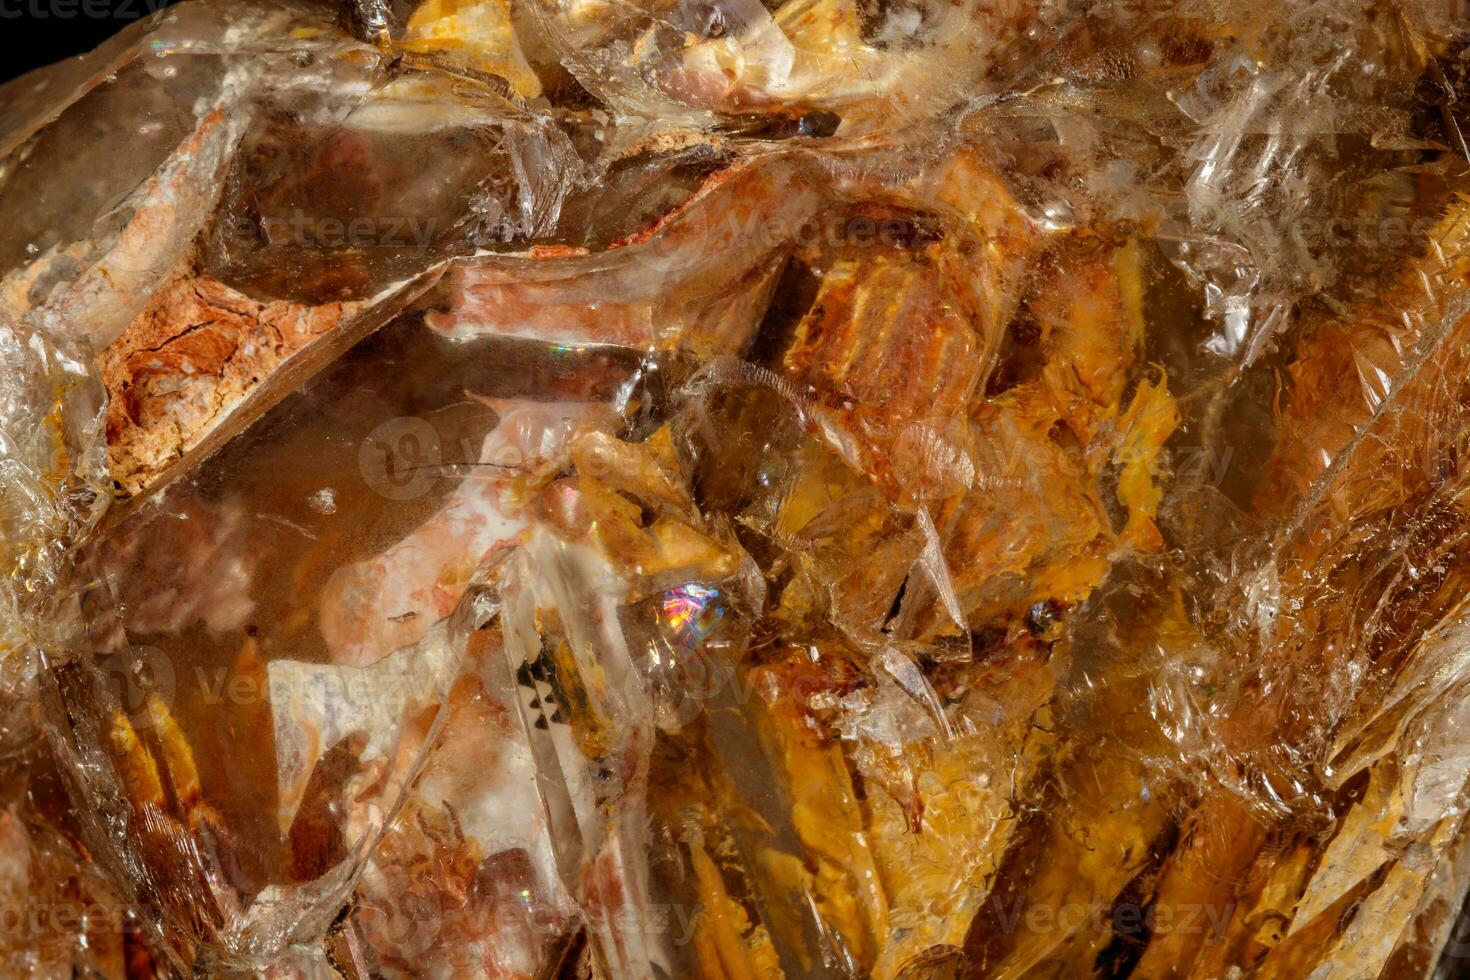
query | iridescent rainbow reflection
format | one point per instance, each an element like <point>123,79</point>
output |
<point>691,613</point>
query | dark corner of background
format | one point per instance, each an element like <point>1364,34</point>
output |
<point>39,32</point>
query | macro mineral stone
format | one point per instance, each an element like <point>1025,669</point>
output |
<point>713,489</point>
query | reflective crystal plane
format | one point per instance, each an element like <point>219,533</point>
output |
<point>717,489</point>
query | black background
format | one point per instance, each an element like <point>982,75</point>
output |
<point>38,32</point>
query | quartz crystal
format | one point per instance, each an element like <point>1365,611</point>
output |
<point>910,489</point>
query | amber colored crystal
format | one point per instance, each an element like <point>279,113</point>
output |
<point>821,488</point>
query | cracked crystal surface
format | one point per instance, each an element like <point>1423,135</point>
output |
<point>823,488</point>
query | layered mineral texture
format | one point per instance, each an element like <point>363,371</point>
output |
<point>911,490</point>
